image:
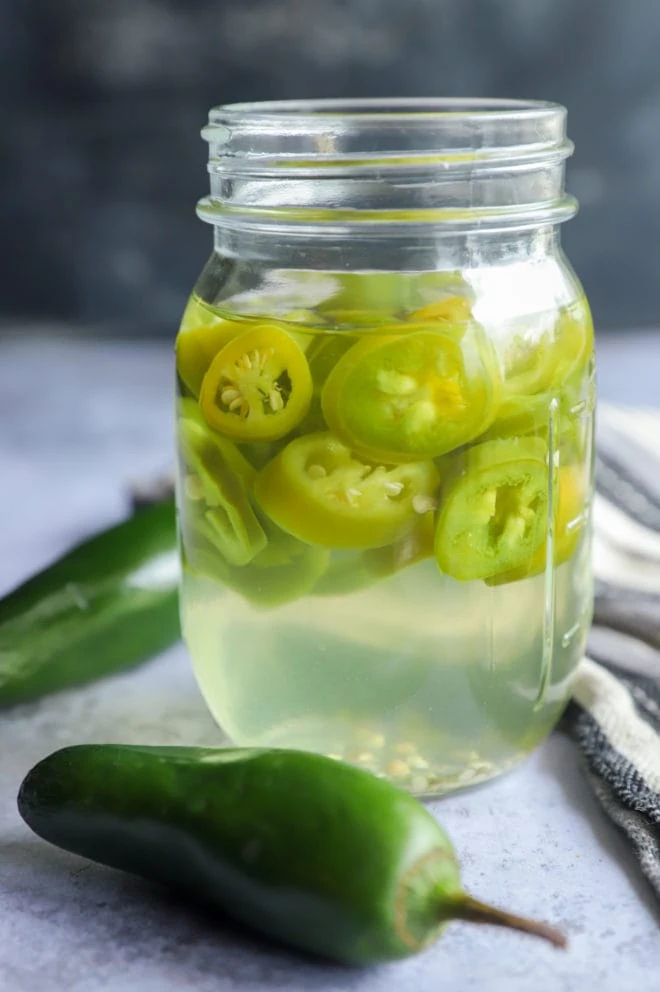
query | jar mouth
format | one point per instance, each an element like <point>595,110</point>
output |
<point>382,107</point>
<point>400,160</point>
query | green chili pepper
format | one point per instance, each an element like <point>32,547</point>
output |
<point>311,851</point>
<point>107,605</point>
<point>493,508</point>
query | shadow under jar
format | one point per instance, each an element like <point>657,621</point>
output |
<point>385,423</point>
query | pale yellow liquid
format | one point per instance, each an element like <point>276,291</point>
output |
<point>434,683</point>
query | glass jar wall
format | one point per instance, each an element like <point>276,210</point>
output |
<point>384,420</point>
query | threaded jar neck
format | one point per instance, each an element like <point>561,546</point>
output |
<point>440,166</point>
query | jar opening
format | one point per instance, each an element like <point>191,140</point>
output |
<point>387,161</point>
<point>382,107</point>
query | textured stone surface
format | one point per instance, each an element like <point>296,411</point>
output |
<point>93,416</point>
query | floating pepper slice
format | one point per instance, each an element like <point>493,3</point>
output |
<point>322,355</point>
<point>357,571</point>
<point>575,337</point>
<point>494,509</point>
<point>319,491</point>
<point>216,480</point>
<point>519,415</point>
<point>264,586</point>
<point>451,309</point>
<point>258,386</point>
<point>541,358</point>
<point>413,396</point>
<point>522,415</point>
<point>202,335</point>
<point>282,548</point>
<point>570,518</point>
<point>196,438</point>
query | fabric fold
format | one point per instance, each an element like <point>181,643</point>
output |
<point>614,715</point>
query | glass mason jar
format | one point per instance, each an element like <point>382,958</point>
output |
<point>384,416</point>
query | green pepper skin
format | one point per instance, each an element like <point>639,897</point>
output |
<point>303,848</point>
<point>107,605</point>
<point>306,849</point>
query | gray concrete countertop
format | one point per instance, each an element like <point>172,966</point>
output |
<point>78,420</point>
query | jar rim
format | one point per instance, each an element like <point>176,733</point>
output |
<point>451,161</point>
<point>301,136</point>
<point>385,109</point>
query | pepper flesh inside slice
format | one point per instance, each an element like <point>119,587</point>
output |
<point>258,386</point>
<point>570,519</point>
<point>494,509</point>
<point>319,491</point>
<point>415,395</point>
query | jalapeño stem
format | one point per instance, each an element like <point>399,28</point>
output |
<point>474,911</point>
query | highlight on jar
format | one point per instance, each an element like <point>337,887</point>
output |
<point>384,490</point>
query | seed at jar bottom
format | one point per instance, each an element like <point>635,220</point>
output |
<point>419,783</point>
<point>370,738</point>
<point>441,774</point>
<point>484,767</point>
<point>467,775</point>
<point>397,768</point>
<point>357,755</point>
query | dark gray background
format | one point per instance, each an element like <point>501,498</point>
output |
<point>102,101</point>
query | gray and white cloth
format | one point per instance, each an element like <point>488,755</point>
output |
<point>614,716</point>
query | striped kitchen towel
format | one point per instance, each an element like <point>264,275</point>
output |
<point>614,717</point>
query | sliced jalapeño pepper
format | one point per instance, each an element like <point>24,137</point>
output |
<point>519,415</point>
<point>570,517</point>
<point>451,309</point>
<point>265,582</point>
<point>319,491</point>
<point>202,335</point>
<point>258,386</point>
<point>355,571</point>
<point>542,357</point>
<point>322,355</point>
<point>216,482</point>
<point>413,396</point>
<point>494,507</point>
